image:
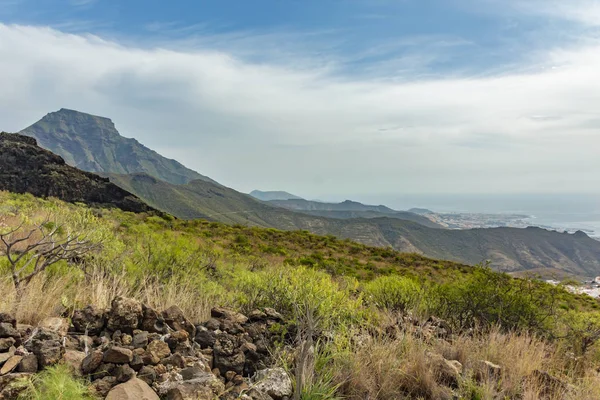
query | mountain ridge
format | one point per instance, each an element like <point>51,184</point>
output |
<point>92,143</point>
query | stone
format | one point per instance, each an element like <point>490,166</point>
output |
<point>225,313</point>
<point>273,381</point>
<point>25,330</point>
<point>91,362</point>
<point>10,387</point>
<point>49,353</point>
<point>125,314</point>
<point>28,364</point>
<point>104,370</point>
<point>448,371</point>
<point>118,355</point>
<point>486,369</point>
<point>10,364</point>
<point>134,389</point>
<point>9,330</point>
<point>89,320</point>
<point>212,324</point>
<point>55,324</point>
<point>152,321</point>
<point>175,318</point>
<point>272,314</point>
<point>74,359</point>
<point>137,362</point>
<point>203,387</point>
<point>140,339</point>
<point>6,343</point>
<point>205,337</point>
<point>102,387</point>
<point>147,374</point>
<point>190,373</point>
<point>123,373</point>
<point>9,319</point>
<point>175,360</point>
<point>150,358</point>
<point>160,348</point>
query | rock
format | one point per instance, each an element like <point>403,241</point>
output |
<point>89,320</point>
<point>28,364</point>
<point>10,386</point>
<point>212,324</point>
<point>91,362</point>
<point>10,364</point>
<point>104,370</point>
<point>272,314</point>
<point>137,362</point>
<point>125,314</point>
<point>103,386</point>
<point>74,359</point>
<point>134,389</point>
<point>5,356</point>
<point>160,348</point>
<point>123,373</point>
<point>254,394</point>
<point>203,387</point>
<point>6,343</point>
<point>275,382</point>
<point>174,318</point>
<point>140,339</point>
<point>150,358</point>
<point>190,373</point>
<point>118,355</point>
<point>152,321</point>
<point>8,319</point>
<point>25,330</point>
<point>8,330</point>
<point>205,337</point>
<point>485,369</point>
<point>147,374</point>
<point>448,372</point>
<point>225,313</point>
<point>49,353</point>
<point>175,360</point>
<point>55,324</point>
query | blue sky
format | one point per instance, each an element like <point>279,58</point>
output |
<point>319,97</point>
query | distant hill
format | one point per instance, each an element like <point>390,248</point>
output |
<point>27,168</point>
<point>93,144</point>
<point>273,195</point>
<point>350,209</point>
<point>421,211</point>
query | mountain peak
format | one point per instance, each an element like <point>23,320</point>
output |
<point>93,143</point>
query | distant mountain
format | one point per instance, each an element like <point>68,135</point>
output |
<point>93,144</point>
<point>421,211</point>
<point>273,195</point>
<point>350,209</point>
<point>27,168</point>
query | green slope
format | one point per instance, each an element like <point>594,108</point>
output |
<point>93,144</point>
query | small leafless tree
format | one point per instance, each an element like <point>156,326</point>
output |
<point>31,248</point>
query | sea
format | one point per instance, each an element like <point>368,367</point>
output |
<point>570,212</point>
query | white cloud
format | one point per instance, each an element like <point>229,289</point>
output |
<point>312,131</point>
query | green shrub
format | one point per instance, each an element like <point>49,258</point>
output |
<point>393,293</point>
<point>54,383</point>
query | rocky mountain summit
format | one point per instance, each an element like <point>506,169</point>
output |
<point>133,352</point>
<point>27,168</point>
<point>93,144</point>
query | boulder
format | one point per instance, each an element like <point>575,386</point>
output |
<point>448,371</point>
<point>204,386</point>
<point>89,320</point>
<point>74,359</point>
<point>10,364</point>
<point>102,387</point>
<point>118,355</point>
<point>176,320</point>
<point>55,324</point>
<point>140,339</point>
<point>123,373</point>
<point>8,330</point>
<point>91,362</point>
<point>160,348</point>
<point>147,374</point>
<point>8,319</point>
<point>205,337</point>
<point>124,315</point>
<point>225,313</point>
<point>29,364</point>
<point>152,321</point>
<point>273,381</point>
<point>133,389</point>
<point>50,352</point>
<point>6,344</point>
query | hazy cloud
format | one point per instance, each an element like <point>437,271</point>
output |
<point>313,130</point>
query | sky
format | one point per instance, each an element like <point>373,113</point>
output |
<point>327,99</point>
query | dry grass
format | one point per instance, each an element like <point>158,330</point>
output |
<point>384,368</point>
<point>48,296</point>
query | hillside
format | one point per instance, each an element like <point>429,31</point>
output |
<point>351,209</point>
<point>509,249</point>
<point>273,195</point>
<point>27,168</point>
<point>93,144</point>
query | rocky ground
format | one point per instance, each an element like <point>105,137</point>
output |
<point>135,352</point>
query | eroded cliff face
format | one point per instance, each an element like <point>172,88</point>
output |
<point>27,168</point>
